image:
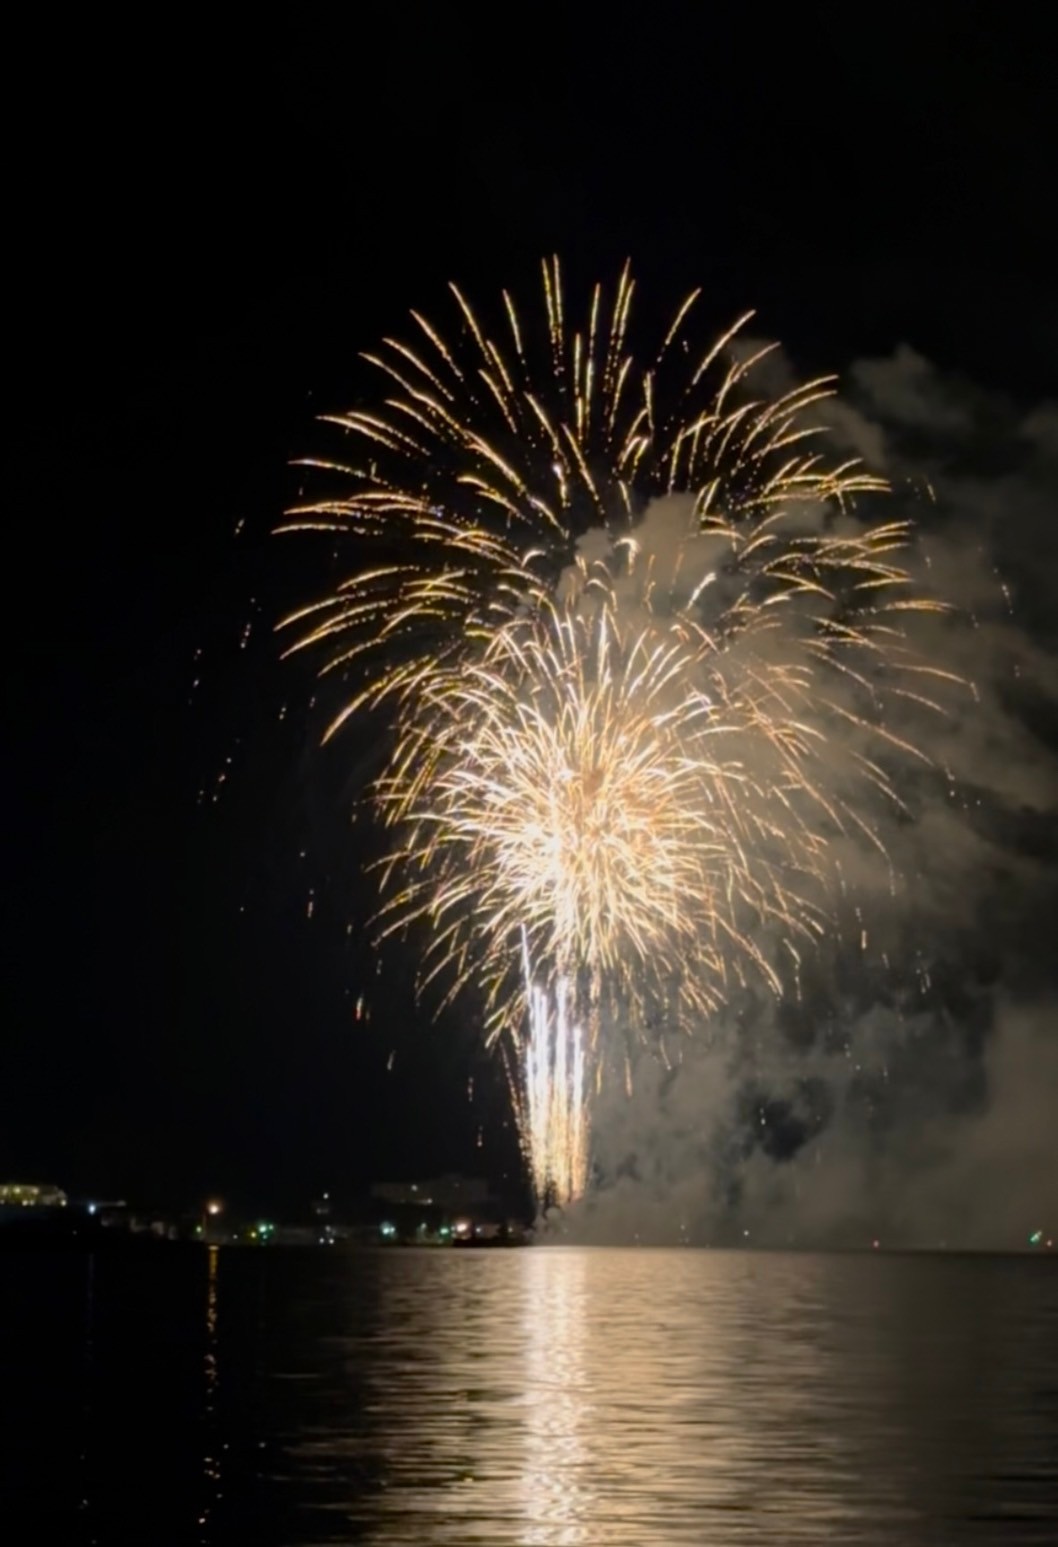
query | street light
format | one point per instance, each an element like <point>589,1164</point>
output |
<point>211,1209</point>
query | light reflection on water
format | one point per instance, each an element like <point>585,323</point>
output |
<point>565,1396</point>
<point>557,1496</point>
<point>211,1468</point>
<point>534,1397</point>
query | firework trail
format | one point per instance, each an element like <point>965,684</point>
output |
<point>550,1093</point>
<point>639,648</point>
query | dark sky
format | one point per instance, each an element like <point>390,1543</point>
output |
<point>205,230</point>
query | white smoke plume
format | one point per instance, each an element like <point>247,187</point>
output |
<point>908,1090</point>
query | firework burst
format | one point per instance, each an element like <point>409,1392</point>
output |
<point>640,651</point>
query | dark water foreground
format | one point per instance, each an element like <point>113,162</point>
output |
<point>543,1396</point>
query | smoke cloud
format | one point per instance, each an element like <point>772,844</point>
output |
<point>906,1089</point>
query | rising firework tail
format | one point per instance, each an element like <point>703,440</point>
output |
<point>641,653</point>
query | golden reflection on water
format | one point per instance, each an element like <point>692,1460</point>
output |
<point>522,1398</point>
<point>563,1397</point>
<point>557,1493</point>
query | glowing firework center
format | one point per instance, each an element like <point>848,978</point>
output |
<point>619,614</point>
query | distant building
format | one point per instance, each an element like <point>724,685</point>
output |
<point>31,1195</point>
<point>449,1210</point>
<point>452,1193</point>
<point>296,1235</point>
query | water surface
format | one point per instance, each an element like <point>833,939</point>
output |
<point>536,1396</point>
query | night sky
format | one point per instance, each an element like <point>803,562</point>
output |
<point>205,232</point>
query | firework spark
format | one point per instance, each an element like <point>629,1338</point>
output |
<point>623,745</point>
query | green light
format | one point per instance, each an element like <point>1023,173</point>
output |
<point>1035,1238</point>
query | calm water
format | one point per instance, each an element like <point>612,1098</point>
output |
<point>540,1396</point>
